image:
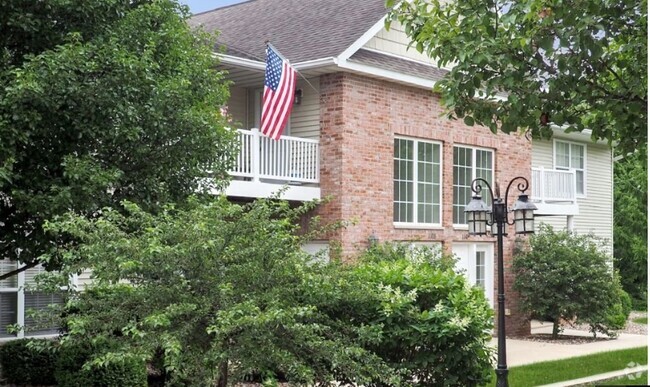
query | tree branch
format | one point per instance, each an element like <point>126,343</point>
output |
<point>19,270</point>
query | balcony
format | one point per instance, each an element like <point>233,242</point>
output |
<point>264,166</point>
<point>554,192</point>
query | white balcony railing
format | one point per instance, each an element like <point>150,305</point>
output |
<point>287,160</point>
<point>553,186</point>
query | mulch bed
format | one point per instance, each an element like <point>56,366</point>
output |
<point>562,339</point>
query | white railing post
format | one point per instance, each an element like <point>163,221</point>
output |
<point>255,168</point>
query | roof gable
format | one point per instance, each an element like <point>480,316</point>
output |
<point>302,30</point>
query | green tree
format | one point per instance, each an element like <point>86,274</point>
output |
<point>566,276</point>
<point>631,223</point>
<point>525,65</point>
<point>222,291</point>
<point>102,100</point>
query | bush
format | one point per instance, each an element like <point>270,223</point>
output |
<point>225,293</point>
<point>568,277</point>
<point>75,368</point>
<point>28,361</point>
<point>420,317</point>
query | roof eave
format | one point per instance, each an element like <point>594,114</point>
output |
<point>258,65</point>
<point>386,74</point>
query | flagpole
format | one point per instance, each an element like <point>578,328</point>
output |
<point>268,44</point>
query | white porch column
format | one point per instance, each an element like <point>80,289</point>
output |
<point>256,155</point>
<point>569,222</point>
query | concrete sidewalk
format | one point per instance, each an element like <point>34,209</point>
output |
<point>520,352</point>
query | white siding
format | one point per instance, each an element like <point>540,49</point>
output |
<point>396,42</point>
<point>596,208</point>
<point>305,118</point>
<point>84,279</point>
<point>244,106</point>
<point>237,107</point>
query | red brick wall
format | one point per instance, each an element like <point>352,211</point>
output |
<point>360,117</point>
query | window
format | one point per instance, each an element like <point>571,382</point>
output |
<point>571,157</point>
<point>470,163</point>
<point>16,300</point>
<point>416,182</point>
<point>480,269</point>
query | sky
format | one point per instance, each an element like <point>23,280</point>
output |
<point>197,6</point>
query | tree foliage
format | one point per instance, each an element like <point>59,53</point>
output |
<point>222,293</point>
<point>576,64</point>
<point>568,277</point>
<point>631,223</point>
<point>102,100</point>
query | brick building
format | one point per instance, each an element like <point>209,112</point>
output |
<point>367,131</point>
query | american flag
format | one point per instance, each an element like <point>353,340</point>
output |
<point>279,88</point>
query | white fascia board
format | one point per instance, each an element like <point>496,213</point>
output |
<point>240,62</point>
<point>257,65</point>
<point>388,74</point>
<point>365,38</point>
<point>583,136</point>
<point>315,63</point>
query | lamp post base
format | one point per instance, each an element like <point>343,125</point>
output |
<point>502,377</point>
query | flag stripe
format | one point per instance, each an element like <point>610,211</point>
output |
<point>279,89</point>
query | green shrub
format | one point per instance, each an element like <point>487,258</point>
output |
<point>640,303</point>
<point>626,302</point>
<point>28,361</point>
<point>567,276</point>
<point>420,317</point>
<point>75,368</point>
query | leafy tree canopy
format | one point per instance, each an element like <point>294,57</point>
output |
<point>567,277</point>
<point>530,64</point>
<point>631,223</point>
<point>218,293</point>
<point>102,100</point>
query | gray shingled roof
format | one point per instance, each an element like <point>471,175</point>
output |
<point>403,66</point>
<point>301,30</point>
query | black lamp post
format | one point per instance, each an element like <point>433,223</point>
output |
<point>479,216</point>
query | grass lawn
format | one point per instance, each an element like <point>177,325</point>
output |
<point>625,381</point>
<point>641,320</point>
<point>578,367</point>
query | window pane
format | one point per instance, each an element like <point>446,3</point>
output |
<point>7,266</point>
<point>40,302</point>
<point>8,309</point>
<point>580,182</point>
<point>402,182</point>
<point>480,269</point>
<point>577,156</point>
<point>562,154</point>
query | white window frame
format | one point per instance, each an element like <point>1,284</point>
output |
<point>20,291</point>
<point>415,223</point>
<point>463,226</point>
<point>584,164</point>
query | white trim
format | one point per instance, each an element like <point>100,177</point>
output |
<point>387,74</point>
<point>363,39</point>
<point>418,226</point>
<point>391,54</point>
<point>582,195</point>
<point>20,304</point>
<point>471,248</point>
<point>259,189</point>
<point>415,224</point>
<point>315,63</point>
<point>241,62</point>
